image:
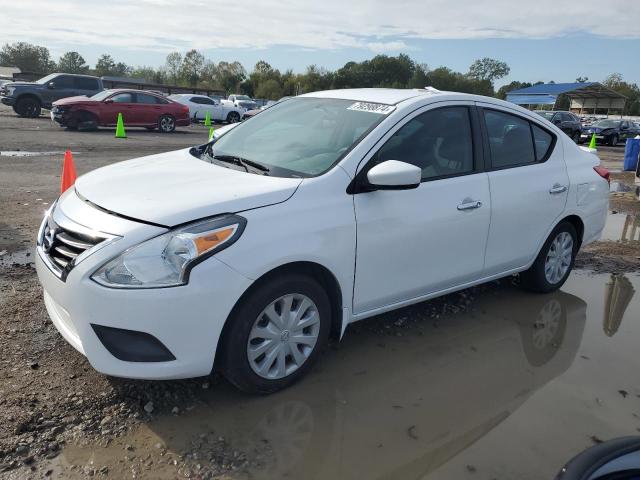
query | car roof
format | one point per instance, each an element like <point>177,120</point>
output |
<point>388,96</point>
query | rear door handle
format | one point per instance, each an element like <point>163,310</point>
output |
<point>469,205</point>
<point>557,188</point>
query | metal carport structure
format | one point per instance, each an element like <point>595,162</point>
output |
<point>586,97</point>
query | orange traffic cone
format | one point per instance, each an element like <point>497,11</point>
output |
<point>68,172</point>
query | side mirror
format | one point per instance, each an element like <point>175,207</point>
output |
<point>394,175</point>
<point>557,121</point>
<point>109,100</point>
<point>51,85</point>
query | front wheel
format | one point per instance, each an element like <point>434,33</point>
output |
<point>554,262</point>
<point>275,334</point>
<point>614,140</point>
<point>166,124</point>
<point>28,107</point>
<point>233,117</point>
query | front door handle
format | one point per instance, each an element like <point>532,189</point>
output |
<point>469,205</point>
<point>557,188</point>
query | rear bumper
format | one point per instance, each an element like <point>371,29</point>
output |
<point>185,122</point>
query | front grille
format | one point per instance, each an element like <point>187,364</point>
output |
<point>62,246</point>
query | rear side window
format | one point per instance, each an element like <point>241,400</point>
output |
<point>202,101</point>
<point>510,139</point>
<point>86,83</point>
<point>144,98</point>
<point>438,141</point>
<point>543,141</point>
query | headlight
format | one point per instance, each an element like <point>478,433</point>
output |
<point>9,90</point>
<point>166,260</point>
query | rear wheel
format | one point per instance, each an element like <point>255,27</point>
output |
<point>275,334</point>
<point>233,117</point>
<point>28,107</point>
<point>166,124</point>
<point>554,262</point>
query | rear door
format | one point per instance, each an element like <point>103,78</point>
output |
<point>414,242</point>
<point>86,86</point>
<point>529,184</point>
<point>148,109</point>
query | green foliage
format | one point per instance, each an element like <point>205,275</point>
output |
<point>107,66</point>
<point>72,62</point>
<point>630,90</point>
<point>488,69</point>
<point>27,57</point>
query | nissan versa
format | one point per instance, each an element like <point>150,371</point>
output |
<point>246,254</point>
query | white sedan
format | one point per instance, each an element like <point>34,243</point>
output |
<point>199,105</point>
<point>247,253</point>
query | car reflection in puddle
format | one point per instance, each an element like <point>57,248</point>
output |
<point>397,405</point>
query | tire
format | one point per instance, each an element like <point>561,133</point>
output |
<point>537,278</point>
<point>233,117</point>
<point>85,122</point>
<point>274,356</point>
<point>28,107</point>
<point>613,141</point>
<point>576,137</point>
<point>166,124</point>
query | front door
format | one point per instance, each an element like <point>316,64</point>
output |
<point>414,242</point>
<point>119,103</point>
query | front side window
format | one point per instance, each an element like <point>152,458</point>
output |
<point>84,83</point>
<point>302,136</point>
<point>439,142</point>
<point>63,81</point>
<point>122,98</point>
<point>510,140</point>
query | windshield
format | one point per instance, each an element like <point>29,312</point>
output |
<point>101,95</point>
<point>547,115</point>
<point>607,124</point>
<point>46,79</point>
<point>299,137</point>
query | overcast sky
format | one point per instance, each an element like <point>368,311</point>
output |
<point>541,40</point>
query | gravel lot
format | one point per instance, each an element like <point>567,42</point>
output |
<point>55,403</point>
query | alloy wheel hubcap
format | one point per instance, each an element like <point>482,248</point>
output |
<point>283,336</point>
<point>558,258</point>
<point>166,123</point>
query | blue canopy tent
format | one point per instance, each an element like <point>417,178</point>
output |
<point>586,97</point>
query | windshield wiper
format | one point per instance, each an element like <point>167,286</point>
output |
<point>242,162</point>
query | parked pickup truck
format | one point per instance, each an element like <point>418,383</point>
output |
<point>29,98</point>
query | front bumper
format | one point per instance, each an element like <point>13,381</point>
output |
<point>8,101</point>
<point>187,320</point>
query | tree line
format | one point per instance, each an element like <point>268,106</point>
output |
<point>192,69</point>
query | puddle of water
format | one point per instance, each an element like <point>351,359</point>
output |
<point>622,227</point>
<point>22,153</point>
<point>512,388</point>
<point>23,257</point>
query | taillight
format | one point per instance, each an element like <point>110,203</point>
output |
<point>185,109</point>
<point>604,173</point>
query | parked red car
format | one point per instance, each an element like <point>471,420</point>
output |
<point>139,109</point>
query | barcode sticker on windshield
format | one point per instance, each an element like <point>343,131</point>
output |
<point>372,107</point>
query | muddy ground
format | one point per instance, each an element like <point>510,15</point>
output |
<point>62,419</point>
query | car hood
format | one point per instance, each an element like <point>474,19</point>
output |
<point>71,100</point>
<point>175,187</point>
<point>19,84</point>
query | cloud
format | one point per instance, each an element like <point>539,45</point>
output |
<point>376,25</point>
